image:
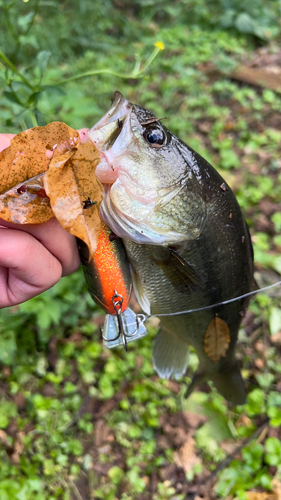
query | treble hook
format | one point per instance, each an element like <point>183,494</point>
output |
<point>117,301</point>
<point>140,319</point>
<point>117,304</point>
<point>121,329</point>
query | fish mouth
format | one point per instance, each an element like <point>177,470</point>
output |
<point>115,124</point>
<point>118,109</point>
<point>113,136</point>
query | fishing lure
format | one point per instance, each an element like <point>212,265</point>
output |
<point>109,283</point>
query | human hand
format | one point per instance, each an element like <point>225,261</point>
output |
<point>33,257</point>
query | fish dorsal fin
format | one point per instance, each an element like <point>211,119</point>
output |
<point>178,271</point>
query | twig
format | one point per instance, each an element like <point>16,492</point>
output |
<point>224,463</point>
<point>78,414</point>
<point>230,457</point>
<point>75,490</point>
<point>257,77</point>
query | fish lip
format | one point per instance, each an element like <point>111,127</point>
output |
<point>118,109</point>
<point>105,133</point>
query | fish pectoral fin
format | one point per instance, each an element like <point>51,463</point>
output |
<point>178,271</point>
<point>170,354</point>
<point>227,381</point>
<point>139,291</point>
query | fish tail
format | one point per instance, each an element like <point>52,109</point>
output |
<point>230,385</point>
<point>228,382</point>
<point>170,354</point>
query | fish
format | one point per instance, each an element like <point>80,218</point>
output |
<point>186,239</point>
<point>109,283</point>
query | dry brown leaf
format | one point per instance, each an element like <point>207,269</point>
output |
<point>30,152</point>
<point>70,182</point>
<point>18,447</point>
<point>46,172</point>
<point>186,457</point>
<point>256,495</point>
<point>276,486</point>
<point>4,438</point>
<point>216,339</point>
<point>26,203</point>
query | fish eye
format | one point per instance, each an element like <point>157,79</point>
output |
<point>155,137</point>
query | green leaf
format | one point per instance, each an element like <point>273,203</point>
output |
<point>53,89</point>
<point>273,451</point>
<point>227,18</point>
<point>274,320</point>
<point>33,97</point>
<point>245,23</point>
<point>265,380</point>
<point>116,474</point>
<point>43,58</point>
<point>274,414</point>
<point>8,347</point>
<point>255,402</point>
<point>12,97</point>
<point>229,159</point>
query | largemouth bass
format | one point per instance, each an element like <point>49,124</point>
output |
<point>185,237</point>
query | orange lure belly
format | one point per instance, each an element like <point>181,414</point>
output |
<point>108,272</point>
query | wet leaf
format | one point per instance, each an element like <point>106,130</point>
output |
<point>75,193</point>
<point>30,152</point>
<point>216,339</point>
<point>26,203</point>
<point>46,172</point>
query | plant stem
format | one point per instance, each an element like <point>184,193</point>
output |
<point>14,69</point>
<point>137,72</point>
<point>150,59</point>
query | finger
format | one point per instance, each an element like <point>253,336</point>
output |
<point>27,268</point>
<point>5,140</point>
<point>83,134</point>
<point>55,239</point>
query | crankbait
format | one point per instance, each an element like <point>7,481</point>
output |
<point>109,283</point>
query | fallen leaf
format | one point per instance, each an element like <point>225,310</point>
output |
<point>26,203</point>
<point>46,172</point>
<point>75,193</point>
<point>194,420</point>
<point>186,457</point>
<point>276,486</point>
<point>256,495</point>
<point>216,339</point>
<point>18,448</point>
<point>101,433</point>
<point>4,438</point>
<point>30,152</point>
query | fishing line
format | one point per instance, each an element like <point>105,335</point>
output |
<point>219,303</point>
<point>141,318</point>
